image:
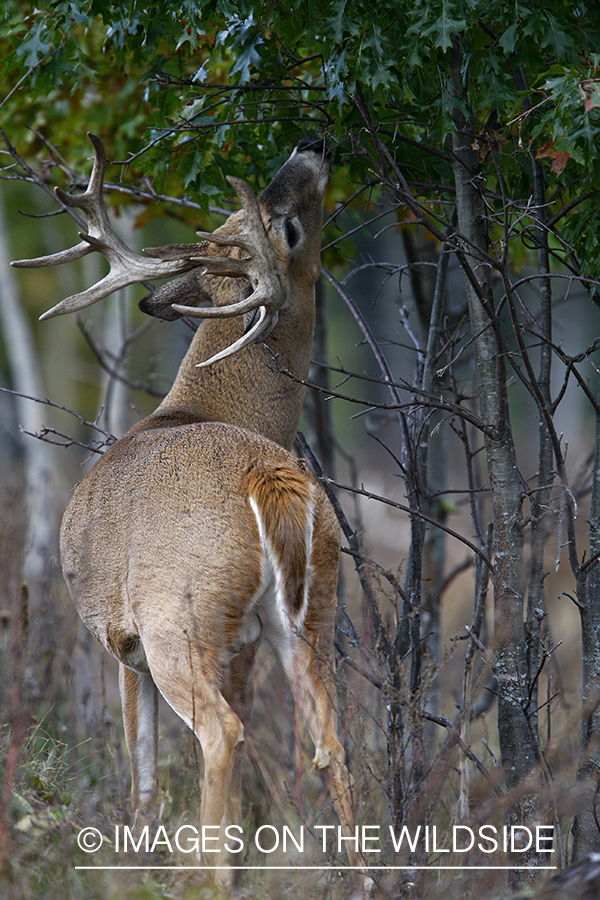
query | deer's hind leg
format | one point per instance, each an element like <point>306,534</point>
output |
<point>310,669</point>
<point>191,686</point>
<point>139,701</point>
<point>307,655</point>
<point>238,690</point>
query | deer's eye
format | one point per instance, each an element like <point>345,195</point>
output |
<point>291,233</point>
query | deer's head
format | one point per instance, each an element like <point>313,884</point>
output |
<point>253,265</point>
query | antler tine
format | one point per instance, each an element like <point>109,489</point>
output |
<point>262,270</point>
<point>91,202</point>
<point>126,266</point>
<point>261,328</point>
<point>84,203</point>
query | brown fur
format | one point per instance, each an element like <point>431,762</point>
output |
<point>284,500</point>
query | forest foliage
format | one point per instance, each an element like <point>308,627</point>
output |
<point>199,90</point>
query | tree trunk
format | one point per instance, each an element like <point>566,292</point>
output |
<point>517,745</point>
<point>41,549</point>
<point>585,829</point>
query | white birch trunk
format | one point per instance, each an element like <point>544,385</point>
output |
<point>41,546</point>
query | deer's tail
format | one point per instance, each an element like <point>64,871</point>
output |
<point>282,499</point>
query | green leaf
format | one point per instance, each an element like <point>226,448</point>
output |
<point>441,28</point>
<point>557,38</point>
<point>508,39</point>
<point>248,58</point>
<point>35,47</point>
<point>338,21</point>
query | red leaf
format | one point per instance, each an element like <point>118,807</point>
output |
<point>559,161</point>
<point>544,151</point>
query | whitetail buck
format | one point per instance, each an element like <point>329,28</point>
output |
<point>197,532</point>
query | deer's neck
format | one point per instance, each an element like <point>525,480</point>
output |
<point>252,388</point>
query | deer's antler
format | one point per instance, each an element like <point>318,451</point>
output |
<point>261,308</point>
<point>128,267</point>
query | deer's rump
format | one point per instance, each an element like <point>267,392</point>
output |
<point>201,536</point>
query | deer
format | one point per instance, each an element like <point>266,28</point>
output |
<point>198,534</point>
